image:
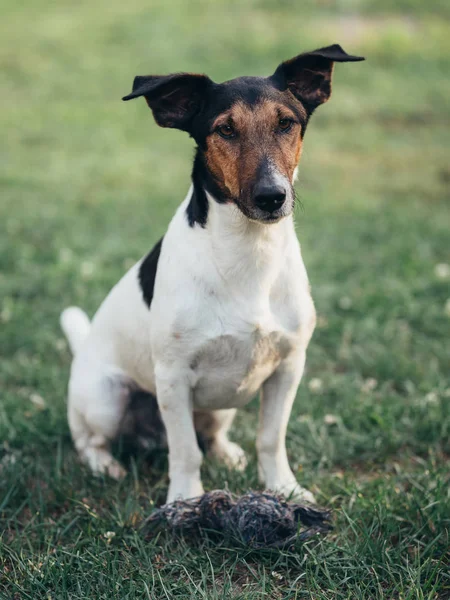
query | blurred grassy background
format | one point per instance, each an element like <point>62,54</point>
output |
<point>89,183</point>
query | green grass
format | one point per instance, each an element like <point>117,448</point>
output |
<point>89,183</point>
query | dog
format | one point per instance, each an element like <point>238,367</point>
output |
<point>221,308</point>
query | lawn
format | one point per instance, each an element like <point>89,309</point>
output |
<point>89,183</point>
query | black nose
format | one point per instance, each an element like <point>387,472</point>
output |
<point>270,197</point>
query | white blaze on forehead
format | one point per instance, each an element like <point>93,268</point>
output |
<point>278,178</point>
<point>275,174</point>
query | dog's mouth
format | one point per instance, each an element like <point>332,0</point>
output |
<point>273,218</point>
<point>269,220</point>
<point>256,214</point>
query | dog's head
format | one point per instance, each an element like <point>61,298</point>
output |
<point>249,130</point>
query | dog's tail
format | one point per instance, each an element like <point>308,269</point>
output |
<point>75,324</point>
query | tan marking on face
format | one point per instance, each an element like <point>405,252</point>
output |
<point>298,153</point>
<point>235,162</point>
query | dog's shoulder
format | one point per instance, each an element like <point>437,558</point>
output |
<point>165,260</point>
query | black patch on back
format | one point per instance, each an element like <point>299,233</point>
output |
<point>147,273</point>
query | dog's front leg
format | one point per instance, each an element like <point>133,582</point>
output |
<point>174,396</point>
<point>277,396</point>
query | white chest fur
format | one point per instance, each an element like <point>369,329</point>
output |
<point>228,370</point>
<point>231,302</point>
<point>231,312</point>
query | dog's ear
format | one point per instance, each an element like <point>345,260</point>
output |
<point>174,99</point>
<point>308,75</point>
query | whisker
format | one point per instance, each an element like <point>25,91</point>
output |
<point>298,201</point>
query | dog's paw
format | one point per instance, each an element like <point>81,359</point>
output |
<point>229,453</point>
<point>184,489</point>
<point>101,462</point>
<point>291,490</point>
<point>300,494</point>
<point>116,471</point>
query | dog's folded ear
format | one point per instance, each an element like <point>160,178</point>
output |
<point>174,99</point>
<point>308,75</point>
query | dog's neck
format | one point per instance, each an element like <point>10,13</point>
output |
<point>247,254</point>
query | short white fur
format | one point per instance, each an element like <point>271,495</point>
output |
<point>231,316</point>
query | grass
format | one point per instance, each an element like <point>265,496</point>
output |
<point>88,184</point>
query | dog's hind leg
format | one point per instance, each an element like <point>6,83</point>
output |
<point>213,427</point>
<point>98,400</point>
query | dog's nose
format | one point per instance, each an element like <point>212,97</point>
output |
<point>270,197</point>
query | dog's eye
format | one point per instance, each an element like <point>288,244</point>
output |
<point>226,131</point>
<point>285,125</point>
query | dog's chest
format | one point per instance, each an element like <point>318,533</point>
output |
<point>231,302</point>
<point>230,368</point>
